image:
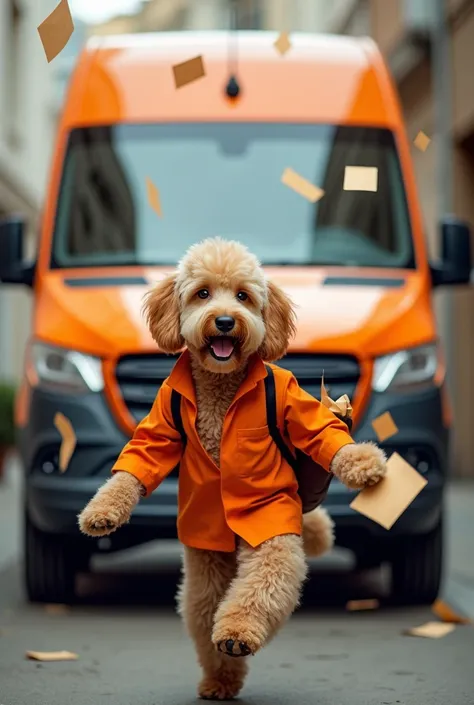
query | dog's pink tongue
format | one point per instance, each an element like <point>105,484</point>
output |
<point>222,347</point>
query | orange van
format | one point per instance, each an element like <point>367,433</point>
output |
<point>354,262</point>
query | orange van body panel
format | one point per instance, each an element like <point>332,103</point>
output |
<point>321,80</point>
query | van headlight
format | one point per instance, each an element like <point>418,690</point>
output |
<point>65,370</point>
<point>406,368</point>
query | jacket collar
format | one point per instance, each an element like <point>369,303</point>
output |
<point>181,378</point>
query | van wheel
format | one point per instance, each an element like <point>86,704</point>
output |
<point>417,566</point>
<point>51,565</point>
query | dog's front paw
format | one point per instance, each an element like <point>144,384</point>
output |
<point>98,520</point>
<point>359,465</point>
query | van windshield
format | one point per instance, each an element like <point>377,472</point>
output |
<point>225,179</point>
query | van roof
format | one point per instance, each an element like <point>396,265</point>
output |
<point>322,78</point>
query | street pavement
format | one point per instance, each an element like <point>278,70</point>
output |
<point>133,651</point>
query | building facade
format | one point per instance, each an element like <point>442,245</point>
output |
<point>26,134</point>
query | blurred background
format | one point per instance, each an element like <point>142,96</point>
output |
<point>429,48</point>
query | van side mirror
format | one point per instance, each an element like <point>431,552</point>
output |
<point>455,264</point>
<point>13,269</point>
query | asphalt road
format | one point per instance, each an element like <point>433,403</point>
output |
<point>133,651</point>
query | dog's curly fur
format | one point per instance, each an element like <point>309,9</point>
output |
<point>232,604</point>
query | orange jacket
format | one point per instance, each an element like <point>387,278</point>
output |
<point>254,493</point>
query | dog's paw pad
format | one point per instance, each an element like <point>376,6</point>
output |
<point>219,689</point>
<point>234,648</point>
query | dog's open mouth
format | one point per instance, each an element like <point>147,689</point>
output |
<point>222,347</point>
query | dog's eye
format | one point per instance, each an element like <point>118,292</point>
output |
<point>203,294</point>
<point>242,296</point>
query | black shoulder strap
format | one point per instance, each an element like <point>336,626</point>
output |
<point>176,414</point>
<point>271,406</point>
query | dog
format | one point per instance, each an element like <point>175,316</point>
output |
<point>240,519</point>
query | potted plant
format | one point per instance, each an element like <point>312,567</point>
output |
<point>7,428</point>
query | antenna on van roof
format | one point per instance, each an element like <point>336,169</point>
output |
<point>232,88</point>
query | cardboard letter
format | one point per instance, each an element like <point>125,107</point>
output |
<point>386,501</point>
<point>68,444</point>
<point>384,427</point>
<point>188,71</point>
<point>301,185</point>
<point>55,31</point>
<point>422,141</point>
<point>51,656</point>
<point>360,178</point>
<point>431,630</point>
<point>360,605</point>
<point>153,197</point>
<point>282,44</point>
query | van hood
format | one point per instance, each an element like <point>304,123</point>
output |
<point>361,312</point>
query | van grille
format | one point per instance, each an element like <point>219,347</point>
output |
<point>140,376</point>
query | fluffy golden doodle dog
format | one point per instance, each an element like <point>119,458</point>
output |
<point>240,517</point>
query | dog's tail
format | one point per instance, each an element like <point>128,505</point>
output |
<point>318,532</point>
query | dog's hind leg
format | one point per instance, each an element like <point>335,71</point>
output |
<point>206,578</point>
<point>263,595</point>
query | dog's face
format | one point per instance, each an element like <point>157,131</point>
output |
<point>221,307</point>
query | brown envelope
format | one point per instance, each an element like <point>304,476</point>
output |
<point>55,31</point>
<point>384,426</point>
<point>385,502</point>
<point>298,183</point>
<point>153,197</point>
<point>68,444</point>
<point>188,71</point>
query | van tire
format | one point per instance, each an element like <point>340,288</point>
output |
<point>51,565</point>
<point>417,568</point>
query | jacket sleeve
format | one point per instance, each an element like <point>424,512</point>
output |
<point>155,448</point>
<point>312,427</point>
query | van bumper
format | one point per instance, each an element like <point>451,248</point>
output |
<point>54,500</point>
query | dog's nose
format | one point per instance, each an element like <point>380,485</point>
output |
<point>225,323</point>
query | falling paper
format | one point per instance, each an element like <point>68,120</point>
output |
<point>56,609</point>
<point>422,141</point>
<point>361,605</point>
<point>360,178</point>
<point>68,444</point>
<point>301,185</point>
<point>384,427</point>
<point>447,613</point>
<point>188,71</point>
<point>153,197</point>
<point>386,501</point>
<point>431,630</point>
<point>56,30</point>
<point>51,656</point>
<point>342,406</point>
<point>282,44</point>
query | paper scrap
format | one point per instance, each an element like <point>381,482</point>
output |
<point>188,71</point>
<point>51,656</point>
<point>360,178</point>
<point>431,630</point>
<point>361,605</point>
<point>422,141</point>
<point>301,185</point>
<point>153,197</point>
<point>342,406</point>
<point>68,444</point>
<point>447,613</point>
<point>282,44</point>
<point>56,609</point>
<point>384,426</point>
<point>386,501</point>
<point>56,30</point>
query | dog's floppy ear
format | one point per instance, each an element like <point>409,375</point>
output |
<point>161,309</point>
<point>280,324</point>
